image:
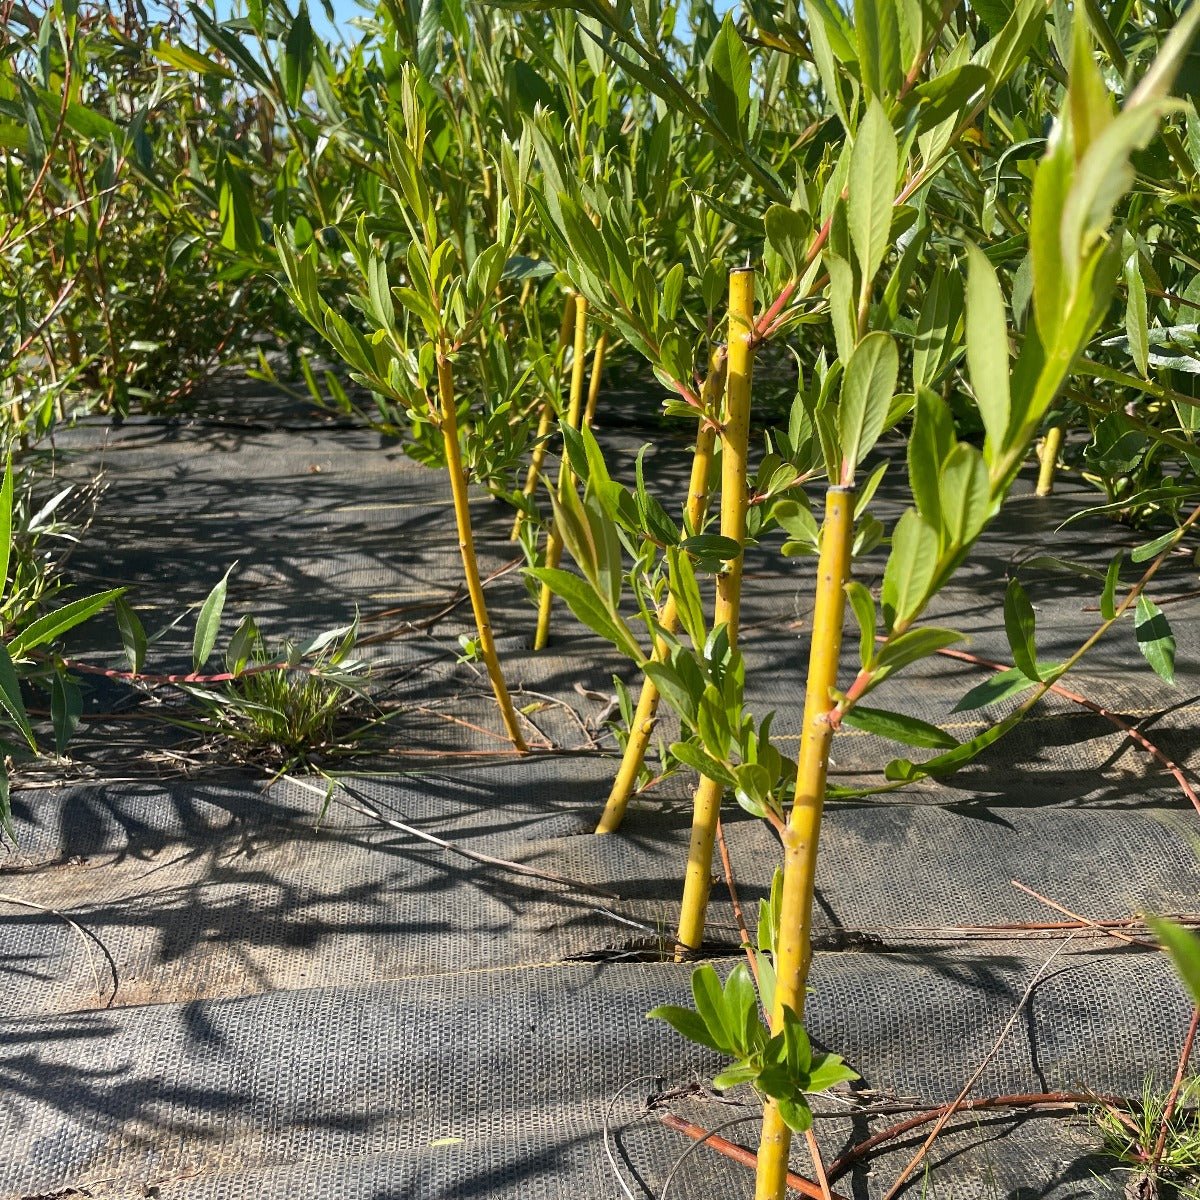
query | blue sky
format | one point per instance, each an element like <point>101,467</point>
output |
<point>343,10</point>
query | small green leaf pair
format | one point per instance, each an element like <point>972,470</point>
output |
<point>782,1067</point>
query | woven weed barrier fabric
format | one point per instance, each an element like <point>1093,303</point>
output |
<point>434,987</point>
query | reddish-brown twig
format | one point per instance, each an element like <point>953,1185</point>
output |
<point>1173,1096</point>
<point>1121,937</point>
<point>1046,1100</point>
<point>188,677</point>
<point>739,1154</point>
<point>1134,733</point>
<point>956,1104</point>
<point>738,915</point>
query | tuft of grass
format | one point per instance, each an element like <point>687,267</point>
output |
<point>1132,1137</point>
<point>286,707</point>
<point>292,711</point>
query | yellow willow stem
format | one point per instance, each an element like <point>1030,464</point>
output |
<point>554,545</point>
<point>645,718</point>
<point>735,436</point>
<point>466,546</point>
<point>593,395</point>
<point>802,833</point>
<point>1051,448</point>
<point>546,417</point>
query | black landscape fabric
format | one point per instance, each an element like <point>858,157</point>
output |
<point>213,990</point>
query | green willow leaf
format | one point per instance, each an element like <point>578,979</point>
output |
<point>931,440</point>
<point>899,728</point>
<point>692,756</point>
<point>987,346</point>
<point>10,699</point>
<point>709,998</point>
<point>912,645</point>
<point>133,634</point>
<point>1136,323</point>
<point>687,1022</point>
<point>1151,549</point>
<point>298,53</point>
<point>878,31</point>
<point>1019,623</point>
<point>66,707</point>
<point>910,569</point>
<point>998,687</point>
<point>208,623</point>
<point>54,624</point>
<point>1184,949</point>
<point>872,186</point>
<point>6,513</point>
<point>1154,638</point>
<point>728,78</point>
<point>1108,597</point>
<point>964,494</point>
<point>583,600</point>
<point>867,390</point>
<point>862,604</point>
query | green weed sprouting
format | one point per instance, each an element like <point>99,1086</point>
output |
<point>1133,1137</point>
<point>282,705</point>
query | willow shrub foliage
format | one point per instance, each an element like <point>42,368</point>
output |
<point>964,222</point>
<point>127,230</point>
<point>117,281</point>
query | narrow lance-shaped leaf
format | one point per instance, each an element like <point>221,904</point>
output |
<point>899,728</point>
<point>1154,547</point>
<point>863,605</point>
<point>6,821</point>
<point>878,30</point>
<point>6,512</point>
<point>66,707</point>
<point>867,389</point>
<point>133,634</point>
<point>910,568</point>
<point>1136,322</point>
<point>1019,626</point>
<point>741,1007</point>
<point>692,756</point>
<point>709,998</point>
<point>685,590</point>
<point>298,54</point>
<point>208,623</point>
<point>1154,638</point>
<point>687,1022</point>
<point>930,441</point>
<point>728,78</point>
<point>1184,949</point>
<point>54,624</point>
<point>941,310</point>
<point>588,607</point>
<point>1001,686</point>
<point>871,188</point>
<point>987,346</point>
<point>964,495</point>
<point>1108,596</point>
<point>912,645</point>
<point>10,698</point>
<point>901,769</point>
